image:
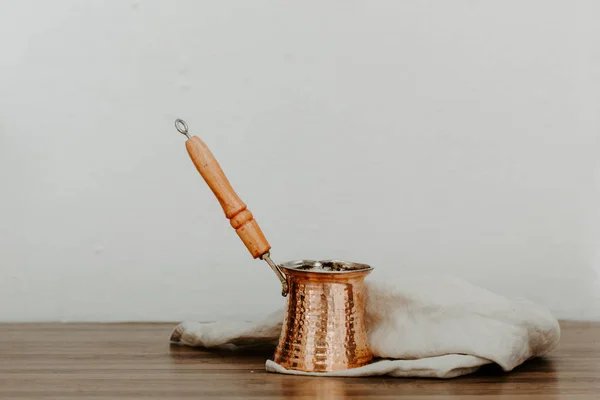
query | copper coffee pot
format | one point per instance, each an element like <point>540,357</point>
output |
<point>324,327</point>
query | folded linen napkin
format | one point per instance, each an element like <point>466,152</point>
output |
<point>419,326</point>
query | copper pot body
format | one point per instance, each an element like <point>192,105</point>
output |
<point>324,327</point>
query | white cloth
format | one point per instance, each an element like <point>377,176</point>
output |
<point>425,326</point>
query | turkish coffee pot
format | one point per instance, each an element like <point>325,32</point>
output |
<point>324,327</point>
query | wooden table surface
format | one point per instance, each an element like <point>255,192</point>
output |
<point>123,361</point>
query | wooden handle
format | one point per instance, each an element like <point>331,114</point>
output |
<point>240,217</point>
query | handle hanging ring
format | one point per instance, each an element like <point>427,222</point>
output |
<point>182,127</point>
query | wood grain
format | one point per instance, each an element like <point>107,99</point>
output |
<point>126,361</point>
<point>235,209</point>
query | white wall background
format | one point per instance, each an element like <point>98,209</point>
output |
<point>459,137</point>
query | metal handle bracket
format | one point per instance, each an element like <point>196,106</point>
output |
<point>284,284</point>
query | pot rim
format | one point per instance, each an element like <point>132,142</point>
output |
<point>346,267</point>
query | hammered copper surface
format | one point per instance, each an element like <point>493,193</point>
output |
<point>324,326</point>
